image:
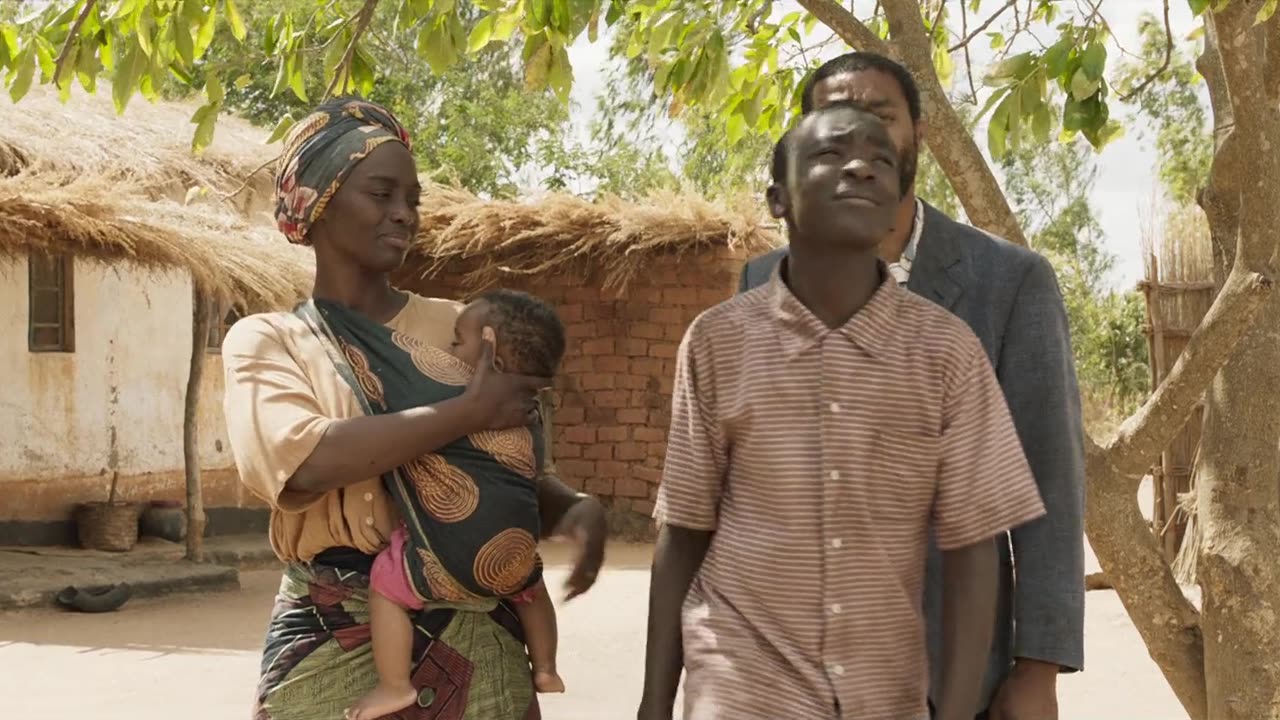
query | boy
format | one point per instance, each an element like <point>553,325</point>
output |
<point>822,426</point>
<point>451,487</point>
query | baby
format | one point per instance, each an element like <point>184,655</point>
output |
<point>480,488</point>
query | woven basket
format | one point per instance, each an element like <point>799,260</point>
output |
<point>108,526</point>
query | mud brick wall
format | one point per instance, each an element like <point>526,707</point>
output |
<point>614,390</point>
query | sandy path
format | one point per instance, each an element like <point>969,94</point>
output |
<point>197,656</point>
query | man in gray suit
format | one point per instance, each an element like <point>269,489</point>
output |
<point>1009,296</point>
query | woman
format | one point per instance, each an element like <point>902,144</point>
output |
<point>304,442</point>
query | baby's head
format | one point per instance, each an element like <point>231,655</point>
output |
<point>529,334</point>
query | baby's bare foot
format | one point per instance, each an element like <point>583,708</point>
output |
<point>547,682</point>
<point>381,701</point>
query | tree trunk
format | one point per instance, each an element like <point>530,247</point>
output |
<point>1237,494</point>
<point>201,318</point>
<point>1239,512</point>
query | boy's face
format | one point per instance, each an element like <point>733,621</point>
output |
<point>842,179</point>
<point>468,336</point>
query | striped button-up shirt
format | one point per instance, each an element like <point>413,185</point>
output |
<point>821,458</point>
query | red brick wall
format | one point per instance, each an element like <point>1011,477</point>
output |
<point>614,389</point>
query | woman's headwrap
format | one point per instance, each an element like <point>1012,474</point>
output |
<point>319,153</point>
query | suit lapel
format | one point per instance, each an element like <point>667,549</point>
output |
<point>938,270</point>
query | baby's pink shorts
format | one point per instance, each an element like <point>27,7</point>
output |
<point>390,579</point>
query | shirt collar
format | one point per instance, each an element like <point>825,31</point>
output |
<point>908,257</point>
<point>871,328</point>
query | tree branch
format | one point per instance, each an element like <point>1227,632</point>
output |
<point>1272,69</point>
<point>73,36</point>
<point>857,35</point>
<point>964,42</point>
<point>1168,57</point>
<point>1148,431</point>
<point>343,71</point>
<point>1131,558</point>
<point>949,140</point>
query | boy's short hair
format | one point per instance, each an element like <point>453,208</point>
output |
<point>778,168</point>
<point>528,328</point>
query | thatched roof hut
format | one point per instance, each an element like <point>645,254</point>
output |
<point>79,183</point>
<point>611,239</point>
<point>113,188</point>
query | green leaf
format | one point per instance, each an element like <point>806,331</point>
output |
<point>204,128</point>
<point>208,26</point>
<point>26,71</point>
<point>270,36</point>
<point>997,40</point>
<point>182,41</point>
<point>333,56</point>
<point>1042,123</point>
<point>791,18</point>
<point>298,76</point>
<point>560,74</point>
<point>1265,12</point>
<point>944,66</point>
<point>1094,60</point>
<point>193,11</point>
<point>282,76</point>
<point>362,73</point>
<point>615,12</point>
<point>593,25</point>
<point>123,8</point>
<point>735,129</point>
<point>1009,70</point>
<point>234,20</point>
<point>146,27</point>
<point>213,89</point>
<point>482,33</point>
<point>1056,57</point>
<point>560,19</point>
<point>998,128</point>
<point>505,26</point>
<point>127,72</point>
<point>538,67</point>
<point>540,12</point>
<point>810,22</point>
<point>1198,7</point>
<point>87,69</point>
<point>752,106</point>
<point>996,96</point>
<point>45,57</point>
<point>1082,86</point>
<point>1075,115</point>
<point>433,44</point>
<point>244,81</point>
<point>281,128</point>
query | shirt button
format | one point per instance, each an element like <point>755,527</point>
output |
<point>368,497</point>
<point>837,670</point>
<point>369,521</point>
<point>835,475</point>
<point>835,609</point>
<point>837,543</point>
<point>835,407</point>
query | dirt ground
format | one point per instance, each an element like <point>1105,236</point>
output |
<point>196,656</point>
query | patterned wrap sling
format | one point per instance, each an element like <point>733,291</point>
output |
<point>471,508</point>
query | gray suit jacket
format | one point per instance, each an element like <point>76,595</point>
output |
<point>1010,298</point>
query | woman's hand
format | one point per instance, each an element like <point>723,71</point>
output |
<point>585,525</point>
<point>498,400</point>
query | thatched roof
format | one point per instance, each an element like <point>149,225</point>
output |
<point>565,233</point>
<point>80,180</point>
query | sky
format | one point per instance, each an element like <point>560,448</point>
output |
<point>1127,187</point>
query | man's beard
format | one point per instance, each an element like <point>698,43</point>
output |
<point>908,162</point>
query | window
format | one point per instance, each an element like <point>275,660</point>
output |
<point>51,299</point>
<point>223,318</point>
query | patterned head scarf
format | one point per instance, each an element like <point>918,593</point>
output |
<point>319,153</point>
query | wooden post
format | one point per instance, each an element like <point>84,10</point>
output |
<point>546,401</point>
<point>201,318</point>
